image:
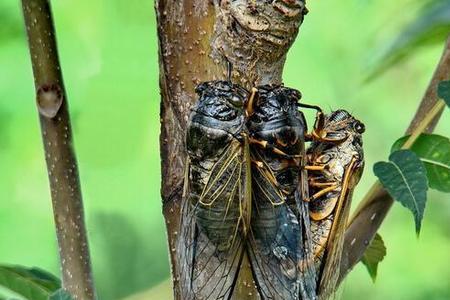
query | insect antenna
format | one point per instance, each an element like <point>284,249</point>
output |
<point>309,106</point>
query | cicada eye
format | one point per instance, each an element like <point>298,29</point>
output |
<point>359,127</point>
<point>296,95</point>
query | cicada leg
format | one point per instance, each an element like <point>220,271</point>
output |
<point>258,163</point>
<point>327,186</point>
<point>250,102</point>
<point>322,137</point>
<point>319,133</point>
<point>270,176</point>
<point>322,184</point>
<point>324,191</point>
<point>265,145</point>
<point>315,167</point>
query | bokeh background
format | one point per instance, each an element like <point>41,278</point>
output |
<point>108,51</point>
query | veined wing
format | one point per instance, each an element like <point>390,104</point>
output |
<point>277,238</point>
<point>211,243</point>
<point>307,275</point>
<point>333,252</point>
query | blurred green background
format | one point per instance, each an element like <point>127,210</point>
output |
<point>108,51</point>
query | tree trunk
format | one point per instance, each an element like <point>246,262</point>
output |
<point>197,38</point>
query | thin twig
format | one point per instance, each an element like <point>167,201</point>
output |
<point>60,157</point>
<point>372,210</point>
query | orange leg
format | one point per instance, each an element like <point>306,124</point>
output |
<point>265,145</point>
<point>315,168</point>
<point>323,192</point>
<point>258,163</point>
<point>322,184</point>
<point>262,144</point>
<point>249,105</point>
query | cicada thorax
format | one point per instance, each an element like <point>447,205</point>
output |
<point>215,216</point>
<point>335,164</point>
<point>277,134</point>
<point>277,240</point>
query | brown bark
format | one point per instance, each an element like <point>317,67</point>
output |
<point>62,167</point>
<point>196,40</point>
<point>370,214</point>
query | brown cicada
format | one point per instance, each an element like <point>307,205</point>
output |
<point>336,163</point>
<point>242,198</point>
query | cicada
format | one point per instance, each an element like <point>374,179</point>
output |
<point>336,163</point>
<point>242,198</point>
<point>278,243</point>
<point>217,194</point>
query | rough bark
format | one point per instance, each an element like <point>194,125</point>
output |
<point>196,40</point>
<point>62,167</point>
<point>370,214</point>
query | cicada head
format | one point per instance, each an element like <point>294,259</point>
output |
<point>216,118</point>
<point>340,129</point>
<point>342,120</point>
<point>277,120</point>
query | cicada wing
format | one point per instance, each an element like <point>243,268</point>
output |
<point>275,241</point>
<point>333,252</point>
<point>211,242</point>
<point>307,275</point>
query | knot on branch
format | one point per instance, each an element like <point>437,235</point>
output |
<point>49,98</point>
<point>255,35</point>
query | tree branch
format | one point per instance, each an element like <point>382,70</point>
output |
<point>372,210</point>
<point>60,157</point>
<point>196,40</point>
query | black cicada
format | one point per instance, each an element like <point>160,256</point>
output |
<point>242,197</point>
<point>216,208</point>
<point>336,162</point>
<point>278,241</point>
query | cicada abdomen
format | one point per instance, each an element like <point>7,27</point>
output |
<point>336,162</point>
<point>277,243</point>
<point>215,214</point>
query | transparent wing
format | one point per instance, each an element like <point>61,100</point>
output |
<point>333,252</point>
<point>307,274</point>
<point>276,241</point>
<point>211,242</point>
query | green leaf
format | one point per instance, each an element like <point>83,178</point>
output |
<point>51,280</point>
<point>431,26</point>
<point>374,254</point>
<point>434,151</point>
<point>31,283</point>
<point>60,294</point>
<point>405,179</point>
<point>444,91</point>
